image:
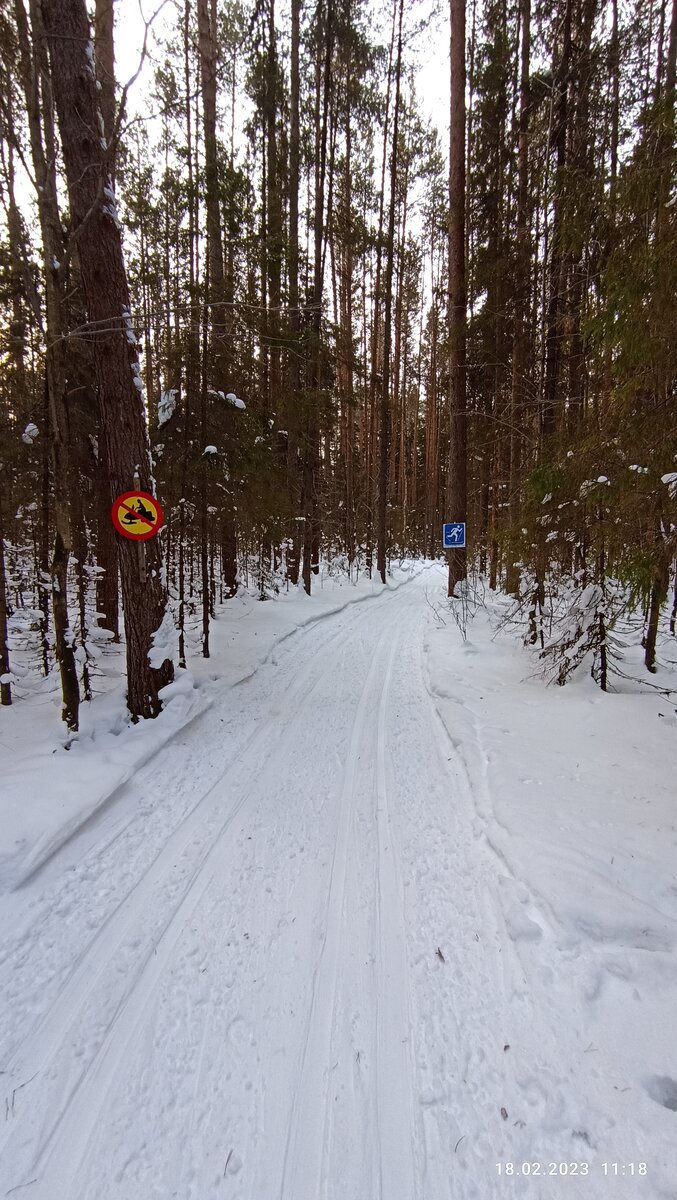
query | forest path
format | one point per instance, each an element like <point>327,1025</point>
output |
<point>280,971</point>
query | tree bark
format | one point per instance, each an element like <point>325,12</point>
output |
<point>5,687</point>
<point>311,457</point>
<point>96,228</point>
<point>658,596</point>
<point>554,332</point>
<point>104,51</point>
<point>36,82</point>
<point>107,601</point>
<point>384,440</point>
<point>294,362</point>
<point>522,272</point>
<point>457,476</point>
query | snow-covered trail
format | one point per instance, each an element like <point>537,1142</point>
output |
<point>277,968</point>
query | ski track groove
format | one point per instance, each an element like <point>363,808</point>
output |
<point>353,612</point>
<point>306,1144</point>
<point>185,1145</point>
<point>80,985</point>
<point>394,1064</point>
<point>175,845</point>
<point>78,1120</point>
<point>420,1027</point>
<point>108,1059</point>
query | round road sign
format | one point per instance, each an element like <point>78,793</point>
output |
<point>137,515</point>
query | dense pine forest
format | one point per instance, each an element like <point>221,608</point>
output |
<point>315,326</point>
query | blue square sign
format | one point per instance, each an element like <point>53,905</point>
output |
<point>453,535</point>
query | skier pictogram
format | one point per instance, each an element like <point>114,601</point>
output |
<point>453,535</point>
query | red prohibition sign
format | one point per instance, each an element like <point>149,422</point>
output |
<point>137,515</point>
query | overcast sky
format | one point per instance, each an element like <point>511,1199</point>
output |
<point>432,50</point>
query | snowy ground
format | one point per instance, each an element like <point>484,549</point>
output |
<point>384,915</point>
<point>49,794</point>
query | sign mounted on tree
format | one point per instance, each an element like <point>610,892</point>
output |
<point>453,535</point>
<point>137,515</point>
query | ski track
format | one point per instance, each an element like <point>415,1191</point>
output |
<point>302,1176</point>
<point>161,866</point>
<point>298,980</point>
<point>394,1062</point>
<point>161,887</point>
<point>121,921</point>
<point>42,1042</point>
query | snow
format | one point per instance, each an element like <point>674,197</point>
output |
<point>108,749</point>
<point>166,406</point>
<point>126,315</point>
<point>233,399</point>
<point>385,912</point>
<point>30,434</point>
<point>230,397</point>
<point>89,55</point>
<point>111,208</point>
<point>164,643</point>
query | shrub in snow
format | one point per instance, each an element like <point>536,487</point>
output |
<point>583,629</point>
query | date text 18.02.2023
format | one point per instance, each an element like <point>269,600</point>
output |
<point>570,1168</point>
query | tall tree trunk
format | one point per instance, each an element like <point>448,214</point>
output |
<point>107,602</point>
<point>457,498</point>
<point>217,354</point>
<point>311,463</point>
<point>274,211</point>
<point>666,153</point>
<point>376,312</point>
<point>658,595</point>
<point>107,547</point>
<point>522,277</point>
<point>204,467</point>
<point>219,363</point>
<point>384,440</point>
<point>104,52</point>
<point>5,687</point>
<point>96,228</point>
<point>345,346</point>
<point>554,332</point>
<point>45,508</point>
<point>294,364</point>
<point>37,87</point>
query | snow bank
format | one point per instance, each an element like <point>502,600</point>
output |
<point>574,787</point>
<point>573,796</point>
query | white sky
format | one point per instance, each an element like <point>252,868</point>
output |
<point>432,52</point>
